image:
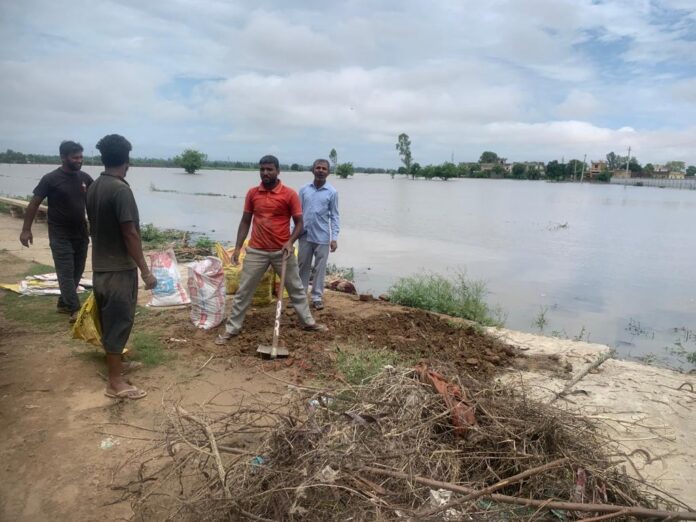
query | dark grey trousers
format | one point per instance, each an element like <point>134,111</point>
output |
<point>116,294</point>
<point>69,256</point>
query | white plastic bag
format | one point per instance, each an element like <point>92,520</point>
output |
<point>169,290</point>
<point>206,285</point>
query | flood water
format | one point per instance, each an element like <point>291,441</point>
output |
<point>608,263</point>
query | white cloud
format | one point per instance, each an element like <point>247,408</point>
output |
<point>533,78</point>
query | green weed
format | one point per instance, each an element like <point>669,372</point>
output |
<point>540,321</point>
<point>204,242</point>
<point>342,272</point>
<point>148,349</point>
<point>153,237</point>
<point>359,367</point>
<point>37,310</point>
<point>459,297</point>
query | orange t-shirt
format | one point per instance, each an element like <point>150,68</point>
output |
<point>272,210</point>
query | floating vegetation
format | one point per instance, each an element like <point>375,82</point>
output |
<point>635,328</point>
<point>155,188</point>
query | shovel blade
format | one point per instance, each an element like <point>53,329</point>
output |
<point>267,352</point>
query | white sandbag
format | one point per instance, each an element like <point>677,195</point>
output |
<point>206,285</point>
<point>169,290</point>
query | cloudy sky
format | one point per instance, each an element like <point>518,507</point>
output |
<point>529,79</point>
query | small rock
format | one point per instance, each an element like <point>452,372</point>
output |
<point>472,361</point>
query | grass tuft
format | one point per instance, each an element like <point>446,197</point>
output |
<point>361,366</point>
<point>148,349</point>
<point>459,297</point>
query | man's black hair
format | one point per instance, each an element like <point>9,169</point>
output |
<point>68,147</point>
<point>321,160</point>
<point>114,150</point>
<point>270,159</point>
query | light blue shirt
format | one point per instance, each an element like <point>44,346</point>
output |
<point>320,213</point>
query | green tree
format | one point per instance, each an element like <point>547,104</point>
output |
<point>344,170</point>
<point>533,172</point>
<point>488,157</point>
<point>573,168</point>
<point>613,161</point>
<point>691,171</point>
<point>416,170</point>
<point>498,170</point>
<point>446,171</point>
<point>191,160</point>
<point>675,166</point>
<point>463,170</point>
<point>295,167</point>
<point>333,158</point>
<point>649,169</point>
<point>403,145</point>
<point>555,171</point>
<point>604,176</point>
<point>519,171</point>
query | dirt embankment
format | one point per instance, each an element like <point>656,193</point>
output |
<point>63,444</point>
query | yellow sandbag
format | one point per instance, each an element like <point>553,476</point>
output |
<point>88,325</point>
<point>232,272</point>
<point>264,292</point>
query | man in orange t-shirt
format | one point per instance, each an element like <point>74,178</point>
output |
<point>271,205</point>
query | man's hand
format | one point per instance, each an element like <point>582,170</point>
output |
<point>149,280</point>
<point>235,257</point>
<point>26,238</point>
<point>333,246</point>
<point>288,249</point>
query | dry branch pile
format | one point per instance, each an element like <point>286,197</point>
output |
<point>388,451</point>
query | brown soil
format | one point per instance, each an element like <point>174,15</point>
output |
<point>413,334</point>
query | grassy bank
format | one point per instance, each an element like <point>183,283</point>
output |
<point>458,297</point>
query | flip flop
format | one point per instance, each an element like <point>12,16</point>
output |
<point>131,393</point>
<point>223,338</point>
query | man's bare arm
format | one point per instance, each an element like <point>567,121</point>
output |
<point>26,237</point>
<point>134,247</point>
<point>242,232</point>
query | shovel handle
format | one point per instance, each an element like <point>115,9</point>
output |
<point>279,310</point>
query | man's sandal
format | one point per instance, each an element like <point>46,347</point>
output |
<point>131,393</point>
<point>316,327</point>
<point>223,338</point>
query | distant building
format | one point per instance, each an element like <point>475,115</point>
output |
<point>675,175</point>
<point>596,168</point>
<point>661,172</point>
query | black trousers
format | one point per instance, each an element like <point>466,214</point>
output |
<point>69,256</point>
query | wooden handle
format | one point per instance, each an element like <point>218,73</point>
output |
<point>279,310</point>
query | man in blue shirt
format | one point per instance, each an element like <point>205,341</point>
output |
<point>321,226</point>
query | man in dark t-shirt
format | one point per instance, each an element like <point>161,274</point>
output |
<point>65,188</point>
<point>117,255</point>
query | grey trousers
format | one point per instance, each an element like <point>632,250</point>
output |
<point>69,256</point>
<point>320,253</point>
<point>256,262</point>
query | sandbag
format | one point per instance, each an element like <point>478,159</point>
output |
<point>88,324</point>
<point>169,290</point>
<point>263,294</point>
<point>206,286</point>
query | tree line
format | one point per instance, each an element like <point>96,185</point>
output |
<point>490,165</point>
<point>190,160</point>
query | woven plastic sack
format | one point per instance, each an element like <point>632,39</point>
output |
<point>206,286</point>
<point>263,294</point>
<point>169,290</point>
<point>88,324</point>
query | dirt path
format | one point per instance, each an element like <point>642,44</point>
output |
<point>63,444</point>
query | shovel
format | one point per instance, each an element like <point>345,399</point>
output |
<point>274,351</point>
